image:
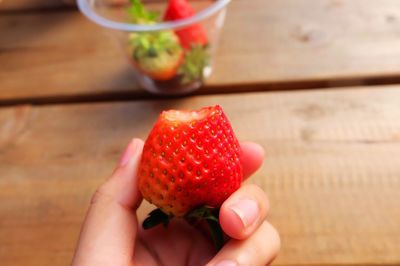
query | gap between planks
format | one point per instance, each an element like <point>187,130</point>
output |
<point>120,96</point>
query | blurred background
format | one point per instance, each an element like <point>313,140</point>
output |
<point>316,83</point>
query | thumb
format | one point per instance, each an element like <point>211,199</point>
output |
<point>109,230</point>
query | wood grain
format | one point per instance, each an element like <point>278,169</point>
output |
<point>266,43</point>
<point>331,172</point>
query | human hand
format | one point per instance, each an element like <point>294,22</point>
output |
<point>111,235</point>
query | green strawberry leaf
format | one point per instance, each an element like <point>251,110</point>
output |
<point>196,59</point>
<point>210,215</point>
<point>139,14</point>
<point>155,218</point>
<point>153,52</point>
<point>203,212</point>
<point>161,45</point>
<point>217,235</point>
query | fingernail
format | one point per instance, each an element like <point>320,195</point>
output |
<point>128,153</point>
<point>247,210</point>
<point>226,263</point>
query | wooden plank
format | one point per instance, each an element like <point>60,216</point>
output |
<point>65,55</point>
<point>17,5</point>
<point>62,55</point>
<point>332,170</point>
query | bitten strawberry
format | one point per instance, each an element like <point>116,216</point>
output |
<point>191,35</point>
<point>190,159</point>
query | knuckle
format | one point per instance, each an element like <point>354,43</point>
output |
<point>259,194</point>
<point>254,189</point>
<point>275,238</point>
<point>267,233</point>
<point>99,196</point>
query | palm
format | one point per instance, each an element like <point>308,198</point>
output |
<point>179,244</point>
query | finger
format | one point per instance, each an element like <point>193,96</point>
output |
<point>109,230</point>
<point>261,248</point>
<point>244,211</point>
<point>251,158</point>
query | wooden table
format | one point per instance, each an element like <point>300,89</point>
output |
<point>332,171</point>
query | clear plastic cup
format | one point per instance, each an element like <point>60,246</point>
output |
<point>169,56</point>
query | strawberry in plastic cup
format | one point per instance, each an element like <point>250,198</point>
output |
<point>170,44</point>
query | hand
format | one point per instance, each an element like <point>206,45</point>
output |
<point>111,234</point>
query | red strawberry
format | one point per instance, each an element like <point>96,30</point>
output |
<point>193,34</point>
<point>190,159</point>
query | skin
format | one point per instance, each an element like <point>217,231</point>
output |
<point>111,235</point>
